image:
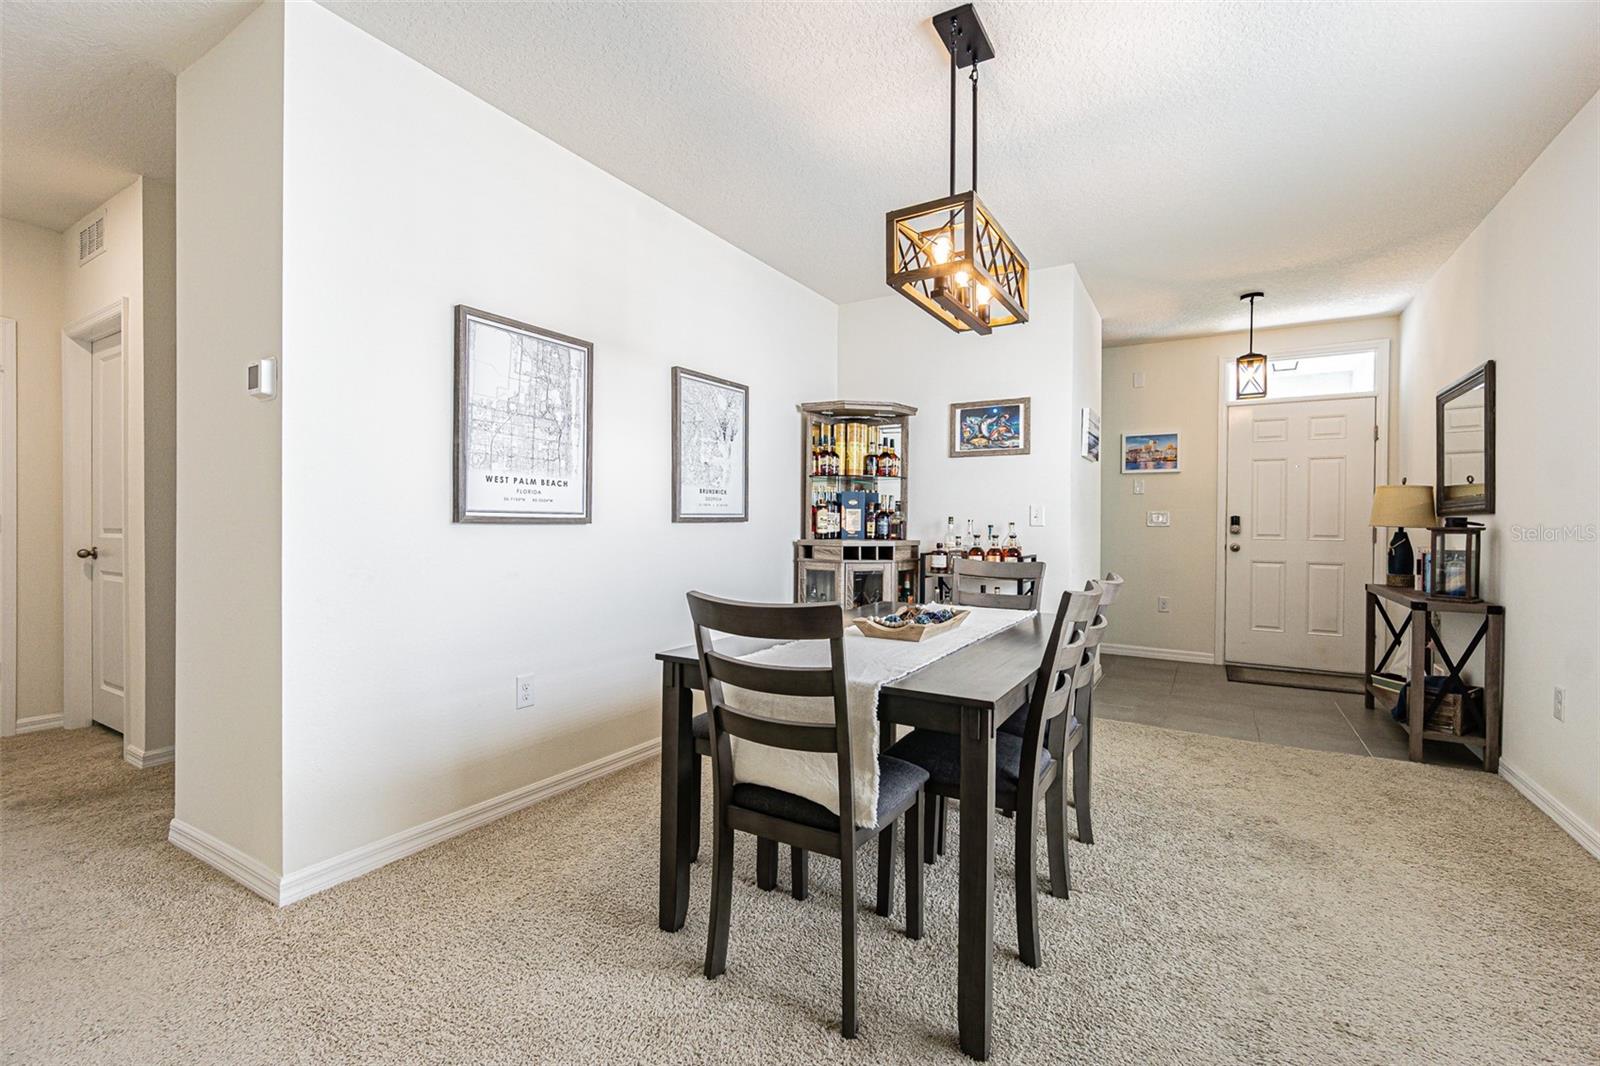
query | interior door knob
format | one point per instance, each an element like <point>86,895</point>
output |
<point>88,553</point>
<point>1233,547</point>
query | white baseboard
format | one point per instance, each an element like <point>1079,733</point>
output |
<point>146,759</point>
<point>38,722</point>
<point>1586,835</point>
<point>369,857</point>
<point>249,872</point>
<point>1138,651</point>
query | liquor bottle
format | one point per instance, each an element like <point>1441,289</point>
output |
<point>883,523</point>
<point>831,459</point>
<point>950,534</point>
<point>897,521</point>
<point>836,517</point>
<point>1013,548</point>
<point>816,509</point>
<point>975,547</point>
<point>872,464</point>
<point>938,559</point>
<point>994,554</point>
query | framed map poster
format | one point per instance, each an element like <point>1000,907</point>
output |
<point>524,433</point>
<point>710,448</point>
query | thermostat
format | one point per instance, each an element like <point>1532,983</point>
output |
<point>261,379</point>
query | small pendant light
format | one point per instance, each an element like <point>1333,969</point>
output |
<point>1251,367</point>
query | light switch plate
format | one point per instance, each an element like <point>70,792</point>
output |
<point>1035,514</point>
<point>1138,379</point>
<point>1158,518</point>
<point>1138,486</point>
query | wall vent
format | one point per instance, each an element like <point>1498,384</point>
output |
<point>92,238</point>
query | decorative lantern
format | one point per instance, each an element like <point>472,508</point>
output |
<point>1251,367</point>
<point>949,256</point>
<point>1455,559</point>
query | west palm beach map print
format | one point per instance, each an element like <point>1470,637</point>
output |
<point>524,423</point>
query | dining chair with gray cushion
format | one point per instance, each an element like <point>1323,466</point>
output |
<point>1083,754</point>
<point>783,817</point>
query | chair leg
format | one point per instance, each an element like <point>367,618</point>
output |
<point>766,864</point>
<point>1055,835</point>
<point>1080,790</point>
<point>798,887</point>
<point>930,828</point>
<point>886,862</point>
<point>721,897</point>
<point>914,873</point>
<point>694,811</point>
<point>944,811</point>
<point>1027,886</point>
<point>847,939</point>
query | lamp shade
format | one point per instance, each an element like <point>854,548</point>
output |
<point>1403,506</point>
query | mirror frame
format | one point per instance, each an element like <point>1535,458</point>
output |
<point>1482,376</point>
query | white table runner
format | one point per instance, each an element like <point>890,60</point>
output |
<point>870,664</point>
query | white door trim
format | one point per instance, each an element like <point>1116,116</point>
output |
<point>8,530</point>
<point>77,601</point>
<point>1380,471</point>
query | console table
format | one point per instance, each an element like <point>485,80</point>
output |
<point>1418,619</point>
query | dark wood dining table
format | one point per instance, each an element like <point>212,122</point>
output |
<point>969,693</point>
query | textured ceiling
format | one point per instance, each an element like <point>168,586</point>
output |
<point>1331,154</point>
<point>87,92</point>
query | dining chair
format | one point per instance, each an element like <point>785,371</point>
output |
<point>773,814</point>
<point>1083,753</point>
<point>766,850</point>
<point>979,575</point>
<point>1028,773</point>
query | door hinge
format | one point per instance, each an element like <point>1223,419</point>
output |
<point>1374,432</point>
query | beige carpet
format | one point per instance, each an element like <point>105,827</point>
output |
<point>1246,903</point>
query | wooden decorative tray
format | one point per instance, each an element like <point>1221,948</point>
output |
<point>871,627</point>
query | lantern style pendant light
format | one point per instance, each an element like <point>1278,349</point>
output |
<point>949,256</point>
<point>1251,367</point>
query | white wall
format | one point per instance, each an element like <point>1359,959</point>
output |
<point>403,195</point>
<point>229,312</point>
<point>31,293</point>
<point>1182,391</point>
<point>890,350</point>
<point>1524,290</point>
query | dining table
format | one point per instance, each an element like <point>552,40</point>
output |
<point>968,693</point>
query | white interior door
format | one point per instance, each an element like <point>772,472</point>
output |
<point>1300,480</point>
<point>106,555</point>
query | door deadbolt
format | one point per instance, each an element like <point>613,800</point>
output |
<point>1233,524</point>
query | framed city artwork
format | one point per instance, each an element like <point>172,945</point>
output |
<point>1151,453</point>
<point>710,448</point>
<point>991,427</point>
<point>524,422</point>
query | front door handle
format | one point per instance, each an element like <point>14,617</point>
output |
<point>1234,546</point>
<point>89,553</point>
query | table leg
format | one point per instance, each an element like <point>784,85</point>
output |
<point>1494,662</point>
<point>975,951</point>
<point>1372,636</point>
<point>677,806</point>
<point>1417,683</point>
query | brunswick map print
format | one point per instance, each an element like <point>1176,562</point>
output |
<point>525,432</point>
<point>710,466</point>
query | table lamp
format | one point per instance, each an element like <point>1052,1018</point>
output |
<point>1401,506</point>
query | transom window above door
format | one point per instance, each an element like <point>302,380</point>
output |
<point>1322,372</point>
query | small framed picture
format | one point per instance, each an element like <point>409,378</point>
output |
<point>1091,434</point>
<point>524,434</point>
<point>991,427</point>
<point>710,448</point>
<point>1151,453</point>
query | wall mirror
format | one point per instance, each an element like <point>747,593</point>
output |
<point>1465,444</point>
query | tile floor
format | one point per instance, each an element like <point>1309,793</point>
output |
<point>1200,699</point>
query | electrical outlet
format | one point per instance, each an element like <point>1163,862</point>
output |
<point>1560,710</point>
<point>1158,518</point>
<point>524,691</point>
<point>1138,486</point>
<point>1163,606</point>
<point>1035,514</point>
<point>1138,379</point>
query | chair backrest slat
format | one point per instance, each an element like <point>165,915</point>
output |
<point>975,571</point>
<point>1092,637</point>
<point>780,733</point>
<point>778,680</point>
<point>1057,677</point>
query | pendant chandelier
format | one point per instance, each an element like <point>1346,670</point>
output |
<point>949,256</point>
<point>1250,382</point>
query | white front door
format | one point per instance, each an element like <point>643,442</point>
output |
<point>105,556</point>
<point>1300,479</point>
